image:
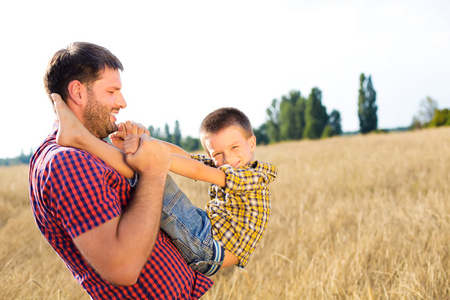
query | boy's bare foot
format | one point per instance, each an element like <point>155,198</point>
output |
<point>71,131</point>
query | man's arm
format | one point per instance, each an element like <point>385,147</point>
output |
<point>119,248</point>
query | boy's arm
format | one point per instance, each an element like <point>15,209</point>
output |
<point>110,154</point>
<point>182,164</point>
<point>188,167</point>
<point>177,150</point>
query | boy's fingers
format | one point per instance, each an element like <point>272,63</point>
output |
<point>121,132</point>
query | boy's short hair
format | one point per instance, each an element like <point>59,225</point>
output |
<point>223,118</point>
<point>80,61</point>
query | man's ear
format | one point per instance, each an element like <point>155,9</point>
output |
<point>76,90</point>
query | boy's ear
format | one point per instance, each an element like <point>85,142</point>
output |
<point>76,89</point>
<point>252,141</point>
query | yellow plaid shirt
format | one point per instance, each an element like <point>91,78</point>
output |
<point>239,213</point>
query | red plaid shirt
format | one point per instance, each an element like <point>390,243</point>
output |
<point>72,192</point>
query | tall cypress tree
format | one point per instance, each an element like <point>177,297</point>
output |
<point>167,134</point>
<point>367,108</point>
<point>273,123</point>
<point>176,139</point>
<point>292,116</point>
<point>316,117</point>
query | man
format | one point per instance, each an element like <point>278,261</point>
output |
<point>106,232</point>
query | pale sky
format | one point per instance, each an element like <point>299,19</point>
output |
<point>184,59</point>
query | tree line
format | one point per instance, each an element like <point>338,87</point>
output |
<point>295,117</point>
<point>429,115</point>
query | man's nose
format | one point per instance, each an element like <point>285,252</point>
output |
<point>120,101</point>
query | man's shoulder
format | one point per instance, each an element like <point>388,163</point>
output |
<point>50,151</point>
<point>52,156</point>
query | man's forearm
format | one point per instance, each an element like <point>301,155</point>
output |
<point>119,248</point>
<point>139,225</point>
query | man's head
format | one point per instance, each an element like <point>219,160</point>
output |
<point>87,78</point>
<point>227,136</point>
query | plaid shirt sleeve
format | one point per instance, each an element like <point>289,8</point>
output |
<point>82,200</point>
<point>203,159</point>
<point>244,180</point>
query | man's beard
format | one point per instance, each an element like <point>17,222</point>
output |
<point>97,117</point>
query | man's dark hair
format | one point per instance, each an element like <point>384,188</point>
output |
<point>79,61</point>
<point>223,118</point>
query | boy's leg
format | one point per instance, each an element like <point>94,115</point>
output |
<point>190,230</point>
<point>71,131</point>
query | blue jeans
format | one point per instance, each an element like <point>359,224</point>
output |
<point>189,228</point>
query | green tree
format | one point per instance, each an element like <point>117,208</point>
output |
<point>334,125</point>
<point>440,118</point>
<point>427,110</point>
<point>367,108</point>
<point>273,123</point>
<point>316,117</point>
<point>190,144</point>
<point>292,116</point>
<point>176,138</point>
<point>167,134</point>
<point>155,132</point>
<point>261,135</point>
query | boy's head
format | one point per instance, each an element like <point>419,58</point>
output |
<point>227,136</point>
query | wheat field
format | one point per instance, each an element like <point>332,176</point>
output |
<point>359,217</point>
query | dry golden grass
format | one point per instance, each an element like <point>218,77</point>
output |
<point>361,217</point>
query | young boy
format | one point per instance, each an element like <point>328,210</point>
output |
<point>238,211</point>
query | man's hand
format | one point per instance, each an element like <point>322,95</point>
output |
<point>131,144</point>
<point>151,156</point>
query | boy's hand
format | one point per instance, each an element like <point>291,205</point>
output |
<point>124,129</point>
<point>116,137</point>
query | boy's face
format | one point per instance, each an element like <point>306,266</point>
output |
<point>230,147</point>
